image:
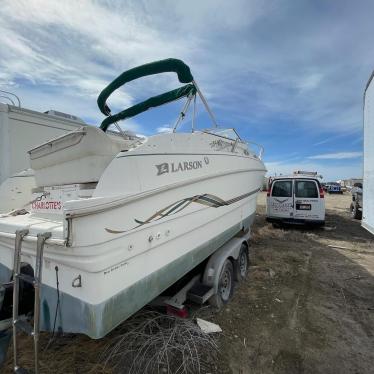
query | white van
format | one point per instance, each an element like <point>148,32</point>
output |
<point>295,200</point>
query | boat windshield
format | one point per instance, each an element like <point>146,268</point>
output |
<point>224,133</point>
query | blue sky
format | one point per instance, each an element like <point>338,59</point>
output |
<point>287,74</point>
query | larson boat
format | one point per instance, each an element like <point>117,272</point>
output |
<point>114,222</point>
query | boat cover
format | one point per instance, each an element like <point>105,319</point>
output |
<point>157,67</point>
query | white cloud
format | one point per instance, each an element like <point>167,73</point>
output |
<point>336,156</point>
<point>247,56</point>
<point>78,47</point>
<point>329,172</point>
<point>310,82</point>
<point>164,129</point>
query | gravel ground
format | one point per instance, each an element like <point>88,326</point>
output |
<point>307,306</point>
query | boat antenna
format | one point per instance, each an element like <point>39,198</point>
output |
<point>205,104</point>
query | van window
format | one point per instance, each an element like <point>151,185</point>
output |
<point>282,189</point>
<point>306,189</point>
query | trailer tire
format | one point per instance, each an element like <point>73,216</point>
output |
<point>355,212</point>
<point>241,265</point>
<point>225,287</point>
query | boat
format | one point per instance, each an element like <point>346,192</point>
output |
<point>20,130</point>
<point>123,219</point>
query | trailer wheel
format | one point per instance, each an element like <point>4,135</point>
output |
<point>225,286</point>
<point>355,212</point>
<point>242,264</point>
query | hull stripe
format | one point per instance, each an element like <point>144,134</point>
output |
<point>211,201</point>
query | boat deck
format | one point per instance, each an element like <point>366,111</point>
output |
<point>34,223</point>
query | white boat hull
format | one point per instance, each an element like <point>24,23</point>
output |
<point>128,247</point>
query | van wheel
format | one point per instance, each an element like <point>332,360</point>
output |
<point>225,288</point>
<point>242,264</point>
<point>355,212</point>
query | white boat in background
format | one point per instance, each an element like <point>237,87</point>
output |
<point>20,130</point>
<point>127,218</point>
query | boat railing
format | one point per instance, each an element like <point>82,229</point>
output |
<point>260,149</point>
<point>258,153</point>
<point>10,97</point>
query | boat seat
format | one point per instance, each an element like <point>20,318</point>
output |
<point>80,156</point>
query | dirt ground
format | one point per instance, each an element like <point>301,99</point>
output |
<point>307,306</point>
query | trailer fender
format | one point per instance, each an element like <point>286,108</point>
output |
<point>230,249</point>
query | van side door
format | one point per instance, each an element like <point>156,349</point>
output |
<point>280,200</point>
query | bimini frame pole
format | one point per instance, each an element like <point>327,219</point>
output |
<point>194,113</point>
<point>205,104</point>
<point>183,112</point>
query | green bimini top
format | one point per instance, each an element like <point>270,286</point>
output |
<point>157,67</point>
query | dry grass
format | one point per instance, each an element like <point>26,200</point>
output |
<point>148,342</point>
<point>158,343</point>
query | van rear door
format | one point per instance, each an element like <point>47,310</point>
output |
<point>280,201</point>
<point>308,203</point>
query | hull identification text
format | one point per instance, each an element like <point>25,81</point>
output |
<point>176,167</point>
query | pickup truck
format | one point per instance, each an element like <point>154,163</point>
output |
<point>356,204</point>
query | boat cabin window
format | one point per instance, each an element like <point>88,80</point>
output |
<point>224,133</point>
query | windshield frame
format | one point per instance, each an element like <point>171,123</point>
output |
<point>211,132</point>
